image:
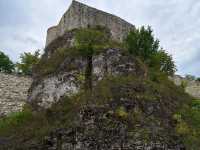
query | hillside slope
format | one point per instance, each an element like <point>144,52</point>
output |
<point>127,108</point>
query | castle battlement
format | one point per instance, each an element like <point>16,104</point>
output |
<point>81,16</point>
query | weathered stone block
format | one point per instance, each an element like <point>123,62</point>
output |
<point>13,92</point>
<point>81,16</point>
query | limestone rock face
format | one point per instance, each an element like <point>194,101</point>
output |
<point>13,92</point>
<point>81,16</point>
<point>133,115</point>
<point>51,89</point>
<point>99,129</point>
<point>48,90</point>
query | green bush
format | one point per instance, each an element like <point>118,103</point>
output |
<point>15,120</point>
<point>27,62</point>
<point>188,124</point>
<point>51,64</point>
<point>6,65</point>
<point>142,43</point>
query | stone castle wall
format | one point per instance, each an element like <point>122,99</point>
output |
<point>81,16</point>
<point>192,87</point>
<point>13,92</point>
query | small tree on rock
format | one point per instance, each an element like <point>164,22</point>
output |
<point>90,41</point>
<point>141,43</point>
<point>27,62</point>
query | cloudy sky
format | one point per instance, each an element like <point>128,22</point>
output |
<point>176,23</point>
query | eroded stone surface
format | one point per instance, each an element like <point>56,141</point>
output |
<point>51,89</point>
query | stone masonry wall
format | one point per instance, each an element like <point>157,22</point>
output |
<point>81,16</point>
<point>14,89</point>
<point>192,87</point>
<point>13,92</point>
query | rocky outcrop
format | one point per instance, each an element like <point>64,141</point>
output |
<point>13,92</point>
<point>123,112</point>
<point>81,16</point>
<point>192,87</point>
<point>48,90</point>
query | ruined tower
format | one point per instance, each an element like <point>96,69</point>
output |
<point>80,16</point>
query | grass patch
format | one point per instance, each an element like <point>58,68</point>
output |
<point>29,126</point>
<point>14,121</point>
<point>188,124</point>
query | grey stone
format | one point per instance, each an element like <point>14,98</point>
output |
<point>192,87</point>
<point>13,92</point>
<point>81,16</point>
<point>48,90</point>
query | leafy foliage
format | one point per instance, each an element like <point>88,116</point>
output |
<point>142,44</point>
<point>163,62</point>
<point>28,124</point>
<point>28,60</point>
<point>15,120</point>
<point>6,65</point>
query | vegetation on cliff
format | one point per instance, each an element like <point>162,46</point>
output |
<point>133,102</point>
<point>142,43</point>
<point>120,108</point>
<point>188,124</point>
<point>90,42</point>
<point>24,66</point>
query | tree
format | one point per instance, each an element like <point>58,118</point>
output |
<point>141,43</point>
<point>6,65</point>
<point>90,41</point>
<point>27,62</point>
<point>163,62</point>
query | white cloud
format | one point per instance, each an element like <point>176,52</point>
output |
<point>176,23</point>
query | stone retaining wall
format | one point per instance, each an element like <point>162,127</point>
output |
<point>13,92</point>
<point>192,87</point>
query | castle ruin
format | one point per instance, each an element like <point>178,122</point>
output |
<point>81,16</point>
